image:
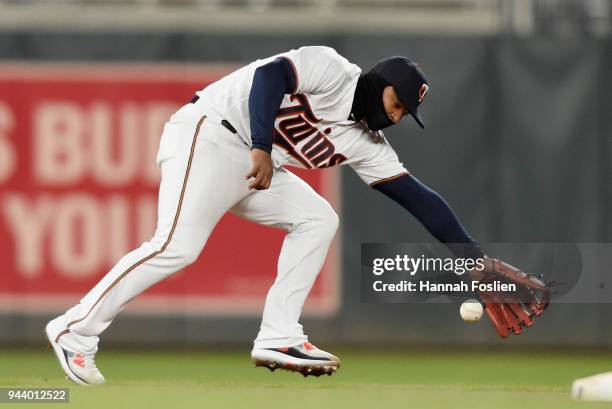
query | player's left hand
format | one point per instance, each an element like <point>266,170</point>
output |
<point>511,312</point>
<point>261,169</point>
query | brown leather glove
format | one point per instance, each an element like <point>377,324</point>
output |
<point>510,311</point>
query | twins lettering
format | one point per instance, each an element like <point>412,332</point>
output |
<point>296,125</point>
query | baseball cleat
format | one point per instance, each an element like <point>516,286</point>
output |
<point>304,358</point>
<point>79,368</point>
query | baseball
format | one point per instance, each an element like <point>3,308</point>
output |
<point>471,310</point>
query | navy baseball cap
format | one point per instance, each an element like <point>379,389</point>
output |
<point>408,81</point>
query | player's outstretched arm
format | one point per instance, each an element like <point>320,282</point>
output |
<point>509,312</point>
<point>433,212</point>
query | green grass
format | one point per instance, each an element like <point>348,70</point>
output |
<point>411,379</point>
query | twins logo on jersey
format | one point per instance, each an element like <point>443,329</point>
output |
<point>297,134</point>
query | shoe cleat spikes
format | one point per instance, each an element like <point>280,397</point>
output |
<point>311,361</point>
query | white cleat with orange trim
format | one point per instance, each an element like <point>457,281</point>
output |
<point>305,358</point>
<point>79,367</point>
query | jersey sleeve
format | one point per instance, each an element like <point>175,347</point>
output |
<point>380,164</point>
<point>319,69</point>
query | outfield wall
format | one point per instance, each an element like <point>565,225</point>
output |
<point>518,140</point>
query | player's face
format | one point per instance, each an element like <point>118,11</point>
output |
<point>393,106</point>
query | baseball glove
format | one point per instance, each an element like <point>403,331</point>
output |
<point>510,311</point>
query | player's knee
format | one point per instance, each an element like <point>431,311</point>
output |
<point>178,250</point>
<point>327,221</point>
<point>189,257</point>
<point>183,254</point>
<point>333,220</point>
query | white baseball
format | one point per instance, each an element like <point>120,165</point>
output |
<point>471,310</point>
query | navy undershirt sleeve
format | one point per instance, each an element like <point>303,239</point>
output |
<point>270,84</point>
<point>433,212</point>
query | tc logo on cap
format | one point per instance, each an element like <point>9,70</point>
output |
<point>423,92</point>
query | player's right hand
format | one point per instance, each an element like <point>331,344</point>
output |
<point>261,169</point>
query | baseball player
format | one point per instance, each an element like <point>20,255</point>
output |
<point>225,151</point>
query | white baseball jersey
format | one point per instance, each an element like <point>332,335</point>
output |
<point>312,129</point>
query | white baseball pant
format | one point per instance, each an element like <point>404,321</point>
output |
<point>203,166</point>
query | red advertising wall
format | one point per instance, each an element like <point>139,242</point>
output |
<point>78,185</point>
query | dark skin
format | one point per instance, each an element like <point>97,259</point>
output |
<point>262,169</point>
<point>393,106</point>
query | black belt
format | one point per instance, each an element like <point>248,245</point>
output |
<point>224,122</point>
